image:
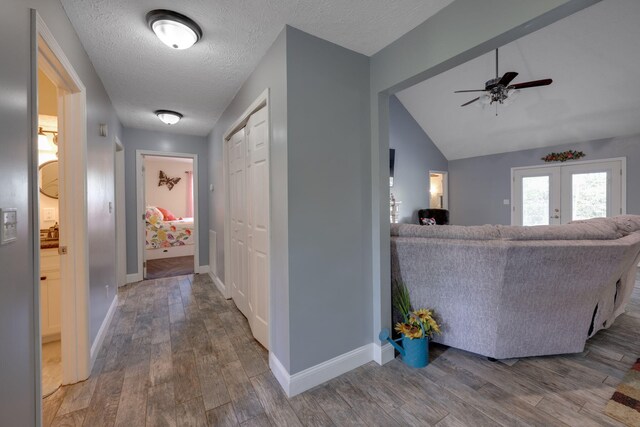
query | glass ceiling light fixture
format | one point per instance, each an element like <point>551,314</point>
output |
<point>168,117</point>
<point>174,29</point>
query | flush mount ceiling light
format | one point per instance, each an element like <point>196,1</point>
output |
<point>169,117</point>
<point>174,29</point>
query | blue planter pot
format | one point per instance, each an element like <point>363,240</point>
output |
<point>416,352</point>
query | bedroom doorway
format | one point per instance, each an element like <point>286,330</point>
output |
<point>167,208</point>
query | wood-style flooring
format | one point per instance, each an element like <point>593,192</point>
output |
<point>169,267</point>
<point>51,367</point>
<point>178,354</point>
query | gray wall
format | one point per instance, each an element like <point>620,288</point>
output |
<point>138,139</point>
<point>415,156</point>
<point>480,184</point>
<point>270,74</point>
<point>17,327</point>
<point>318,249</point>
<point>328,140</point>
<point>461,31</point>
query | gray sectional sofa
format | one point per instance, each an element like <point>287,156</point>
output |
<point>509,291</point>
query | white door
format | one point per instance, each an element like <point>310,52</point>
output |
<point>238,197</point>
<point>536,196</point>
<point>144,220</point>
<point>258,224</point>
<point>591,190</point>
<point>560,194</point>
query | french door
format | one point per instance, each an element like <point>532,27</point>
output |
<point>559,194</point>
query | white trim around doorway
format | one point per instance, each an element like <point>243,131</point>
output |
<point>623,182</point>
<point>140,208</point>
<point>48,56</point>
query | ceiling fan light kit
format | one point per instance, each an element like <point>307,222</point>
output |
<point>499,90</point>
<point>174,29</point>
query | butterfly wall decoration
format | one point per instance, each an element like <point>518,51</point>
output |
<point>169,182</point>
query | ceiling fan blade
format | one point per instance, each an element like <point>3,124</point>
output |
<point>534,83</point>
<point>507,78</point>
<point>470,90</point>
<point>470,102</point>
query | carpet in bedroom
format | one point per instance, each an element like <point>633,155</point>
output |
<point>169,267</point>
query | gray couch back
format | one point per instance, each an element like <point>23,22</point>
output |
<point>505,291</point>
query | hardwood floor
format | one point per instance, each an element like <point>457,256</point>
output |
<point>178,354</point>
<point>169,267</point>
<point>51,367</point>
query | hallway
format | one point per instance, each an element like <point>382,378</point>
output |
<point>179,354</point>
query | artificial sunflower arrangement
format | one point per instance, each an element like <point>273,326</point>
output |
<point>417,323</point>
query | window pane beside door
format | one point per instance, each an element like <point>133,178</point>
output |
<point>535,200</point>
<point>589,195</point>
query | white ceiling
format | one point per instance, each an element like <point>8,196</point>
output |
<point>141,74</point>
<point>593,58</point>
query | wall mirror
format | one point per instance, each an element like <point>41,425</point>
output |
<point>48,179</point>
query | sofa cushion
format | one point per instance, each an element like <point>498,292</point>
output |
<point>461,232</point>
<point>582,230</point>
<point>627,223</point>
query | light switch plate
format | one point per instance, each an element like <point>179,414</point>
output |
<point>8,225</point>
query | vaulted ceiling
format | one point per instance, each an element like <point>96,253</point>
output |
<point>593,58</point>
<point>141,74</point>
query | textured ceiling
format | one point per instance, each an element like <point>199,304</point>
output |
<point>142,75</point>
<point>593,57</point>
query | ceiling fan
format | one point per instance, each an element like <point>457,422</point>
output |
<point>498,90</point>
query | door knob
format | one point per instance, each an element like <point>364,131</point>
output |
<point>555,216</point>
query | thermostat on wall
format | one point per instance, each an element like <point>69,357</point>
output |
<point>8,225</point>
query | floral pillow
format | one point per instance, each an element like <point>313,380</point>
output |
<point>427,221</point>
<point>153,215</point>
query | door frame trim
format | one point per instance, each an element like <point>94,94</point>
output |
<point>445,187</point>
<point>262,101</point>
<point>623,180</point>
<point>140,208</point>
<point>46,54</point>
<point>120,213</point>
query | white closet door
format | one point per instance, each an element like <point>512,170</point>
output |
<point>238,197</point>
<point>258,224</point>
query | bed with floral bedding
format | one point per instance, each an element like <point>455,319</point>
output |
<point>161,234</point>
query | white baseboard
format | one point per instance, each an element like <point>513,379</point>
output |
<point>102,332</point>
<point>320,373</point>
<point>135,277</point>
<point>219,284</point>
<point>203,269</point>
<point>383,353</point>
